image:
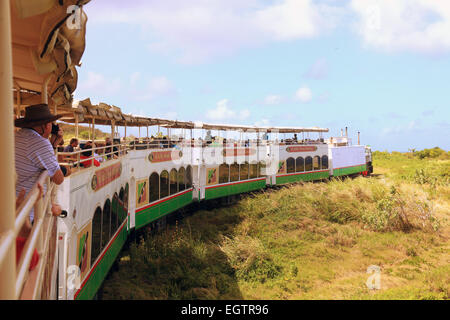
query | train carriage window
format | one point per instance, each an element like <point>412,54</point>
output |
<point>164,184</point>
<point>290,163</point>
<point>181,179</point>
<point>188,177</point>
<point>316,163</point>
<point>243,171</point>
<point>96,234</point>
<point>324,162</point>
<point>154,187</point>
<point>224,173</point>
<point>262,169</point>
<point>234,172</point>
<point>173,181</point>
<point>106,223</point>
<point>308,164</point>
<point>122,212</point>
<point>300,164</point>
<point>125,198</point>
<point>253,170</point>
<point>121,194</point>
<point>115,213</point>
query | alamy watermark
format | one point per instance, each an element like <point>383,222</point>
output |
<point>374,280</point>
<point>74,277</point>
<point>74,20</point>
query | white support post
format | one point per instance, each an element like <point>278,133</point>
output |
<point>7,164</point>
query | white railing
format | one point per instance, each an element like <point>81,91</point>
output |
<point>42,237</point>
<point>73,159</point>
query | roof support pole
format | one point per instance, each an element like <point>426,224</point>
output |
<point>19,101</point>
<point>44,93</point>
<point>76,126</point>
<point>93,130</point>
<point>7,187</point>
<point>113,129</point>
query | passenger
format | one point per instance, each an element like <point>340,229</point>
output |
<point>71,147</point>
<point>87,155</point>
<point>109,151</point>
<point>57,136</point>
<point>33,151</point>
<point>164,142</point>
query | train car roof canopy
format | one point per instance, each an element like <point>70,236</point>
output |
<point>46,49</point>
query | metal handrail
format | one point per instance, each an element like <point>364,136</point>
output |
<point>122,148</point>
<point>39,238</point>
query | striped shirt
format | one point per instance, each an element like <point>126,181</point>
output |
<point>34,154</point>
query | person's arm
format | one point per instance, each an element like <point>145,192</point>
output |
<point>58,177</point>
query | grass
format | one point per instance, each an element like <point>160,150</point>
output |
<point>307,241</point>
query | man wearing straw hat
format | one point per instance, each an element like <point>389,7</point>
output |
<point>34,152</point>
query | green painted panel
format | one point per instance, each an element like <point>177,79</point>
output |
<point>227,190</point>
<point>159,210</point>
<point>102,268</point>
<point>303,177</point>
<point>349,170</point>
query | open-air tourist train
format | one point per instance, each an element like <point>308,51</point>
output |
<point>136,182</point>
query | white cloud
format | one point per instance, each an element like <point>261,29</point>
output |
<point>303,94</point>
<point>157,87</point>
<point>411,127</point>
<point>404,25</point>
<point>198,30</point>
<point>98,83</point>
<point>272,99</point>
<point>223,112</point>
<point>287,20</point>
<point>244,114</point>
<point>262,123</point>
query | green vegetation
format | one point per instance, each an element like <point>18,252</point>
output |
<point>83,133</point>
<point>308,241</point>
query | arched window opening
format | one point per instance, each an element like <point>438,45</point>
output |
<point>243,171</point>
<point>308,164</point>
<point>106,223</point>
<point>115,221</point>
<point>96,234</point>
<point>154,187</point>
<point>324,162</point>
<point>125,198</point>
<point>290,163</point>
<point>316,163</point>
<point>234,172</point>
<point>181,179</point>
<point>188,177</point>
<point>300,164</point>
<point>164,184</point>
<point>224,173</point>
<point>173,181</point>
<point>121,194</point>
<point>121,206</point>
<point>253,170</point>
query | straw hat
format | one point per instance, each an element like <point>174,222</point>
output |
<point>36,115</point>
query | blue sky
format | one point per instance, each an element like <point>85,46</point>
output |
<point>380,67</point>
